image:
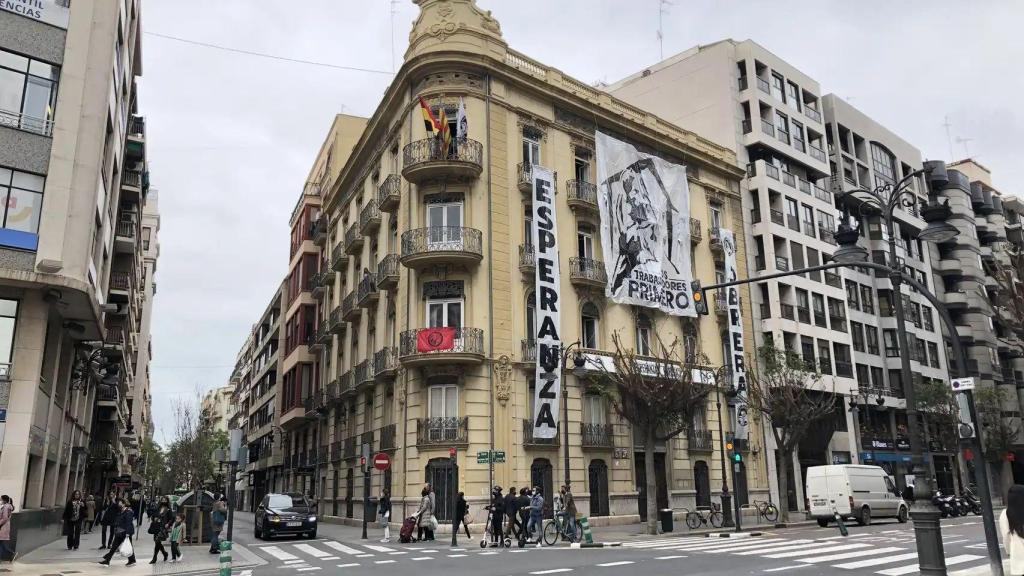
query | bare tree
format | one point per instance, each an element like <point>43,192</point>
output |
<point>658,395</point>
<point>790,396</point>
<point>190,457</point>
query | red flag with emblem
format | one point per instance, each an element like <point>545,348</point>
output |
<point>435,339</point>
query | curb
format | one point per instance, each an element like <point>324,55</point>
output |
<point>732,534</point>
<point>595,545</point>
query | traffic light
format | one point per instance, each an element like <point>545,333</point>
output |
<point>734,453</point>
<point>699,304</point>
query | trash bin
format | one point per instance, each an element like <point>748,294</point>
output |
<point>665,515</point>
<point>371,509</point>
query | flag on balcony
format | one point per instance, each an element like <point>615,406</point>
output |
<point>435,339</point>
<point>461,123</point>
<point>446,133</point>
<point>431,124</point>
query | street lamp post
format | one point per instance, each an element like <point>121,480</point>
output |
<point>726,497</point>
<point>578,362</point>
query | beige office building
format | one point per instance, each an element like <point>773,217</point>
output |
<point>73,172</point>
<point>379,198</point>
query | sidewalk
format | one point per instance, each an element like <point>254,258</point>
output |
<point>54,558</point>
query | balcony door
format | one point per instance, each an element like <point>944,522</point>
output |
<point>531,148</point>
<point>443,312</point>
<point>443,407</point>
<point>585,242</point>
<point>444,222</point>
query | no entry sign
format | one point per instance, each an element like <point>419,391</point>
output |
<point>381,461</point>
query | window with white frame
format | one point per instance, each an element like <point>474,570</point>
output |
<point>585,241</point>
<point>594,410</point>
<point>590,324</point>
<point>644,329</point>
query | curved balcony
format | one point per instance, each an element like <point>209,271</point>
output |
<point>349,311</point>
<point>389,193</point>
<point>334,322</point>
<point>385,363</point>
<point>366,292</point>
<point>524,177</point>
<point>442,245</point>
<point>582,195</point>
<point>363,373</point>
<point>428,159</point>
<point>431,346</point>
<point>695,233</point>
<point>369,218</point>
<point>339,259</point>
<point>527,259</point>
<point>587,273</point>
<point>387,272</point>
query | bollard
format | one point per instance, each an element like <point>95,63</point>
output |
<point>225,558</point>
<point>587,535</point>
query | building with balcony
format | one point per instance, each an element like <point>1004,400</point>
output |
<point>73,169</point>
<point>864,155</point>
<point>450,250</point>
<point>979,274</point>
<point>742,97</point>
<point>218,408</point>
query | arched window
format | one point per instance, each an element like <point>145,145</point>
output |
<point>884,164</point>
<point>644,330</point>
<point>590,326</point>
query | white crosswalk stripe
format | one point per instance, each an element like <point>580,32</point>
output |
<point>848,555</point>
<point>808,552</point>
<point>379,548</point>
<point>318,553</point>
<point>913,568</point>
<point>876,561</point>
<point>278,553</point>
<point>342,548</point>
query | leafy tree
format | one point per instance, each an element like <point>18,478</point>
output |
<point>154,467</point>
<point>790,396</point>
<point>190,457</point>
<point>997,433</point>
<point>657,395</point>
<point>937,404</point>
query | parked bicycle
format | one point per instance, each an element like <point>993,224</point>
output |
<point>766,510</point>
<point>705,516</point>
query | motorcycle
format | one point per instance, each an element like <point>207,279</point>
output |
<point>946,505</point>
<point>972,502</point>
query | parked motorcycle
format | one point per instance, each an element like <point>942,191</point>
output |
<point>946,504</point>
<point>972,501</point>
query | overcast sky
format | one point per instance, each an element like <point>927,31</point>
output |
<point>232,137</point>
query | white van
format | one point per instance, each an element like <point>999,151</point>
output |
<point>854,491</point>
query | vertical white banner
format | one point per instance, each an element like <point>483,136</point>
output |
<point>549,342</point>
<point>736,360</point>
<point>644,203</point>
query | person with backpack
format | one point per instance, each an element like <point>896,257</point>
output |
<point>218,516</point>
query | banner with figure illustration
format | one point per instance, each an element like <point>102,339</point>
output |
<point>736,361</point>
<point>645,228</point>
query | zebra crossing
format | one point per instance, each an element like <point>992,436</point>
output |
<point>864,552</point>
<point>312,555</point>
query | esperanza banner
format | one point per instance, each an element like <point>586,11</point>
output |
<point>548,278</point>
<point>645,228</point>
<point>736,358</point>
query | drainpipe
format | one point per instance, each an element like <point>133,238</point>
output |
<point>405,373</point>
<point>490,285</point>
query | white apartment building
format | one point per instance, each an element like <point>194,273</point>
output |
<point>740,95</point>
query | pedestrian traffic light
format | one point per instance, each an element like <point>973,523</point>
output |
<point>734,453</point>
<point>700,306</point>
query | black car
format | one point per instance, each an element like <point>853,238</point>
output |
<point>285,514</point>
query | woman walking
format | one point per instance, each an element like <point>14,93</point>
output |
<point>6,511</point>
<point>90,513</point>
<point>1011,528</point>
<point>74,514</point>
<point>159,526</point>
<point>425,515</point>
<point>111,510</point>
<point>122,528</point>
<point>384,510</point>
<point>461,509</point>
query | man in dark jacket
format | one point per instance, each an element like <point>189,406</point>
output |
<point>110,512</point>
<point>123,529</point>
<point>511,511</point>
<point>497,515</point>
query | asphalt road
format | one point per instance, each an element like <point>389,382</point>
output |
<point>885,548</point>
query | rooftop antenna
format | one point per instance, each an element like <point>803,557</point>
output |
<point>949,138</point>
<point>964,141</point>
<point>662,10</point>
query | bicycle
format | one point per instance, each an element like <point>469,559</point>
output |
<point>766,510</point>
<point>704,516</point>
<point>555,528</point>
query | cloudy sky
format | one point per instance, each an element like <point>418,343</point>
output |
<point>232,136</point>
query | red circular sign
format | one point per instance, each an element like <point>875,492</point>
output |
<point>381,461</point>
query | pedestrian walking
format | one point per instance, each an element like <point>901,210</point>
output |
<point>177,536</point>
<point>90,513</point>
<point>218,517</point>
<point>6,512</point>
<point>570,509</point>
<point>425,515</point>
<point>123,529</point>
<point>111,510</point>
<point>536,514</point>
<point>1011,527</point>
<point>384,511</point>
<point>461,508</point>
<point>510,511</point>
<point>496,511</point>
<point>523,504</point>
<point>74,515</point>
<point>160,524</point>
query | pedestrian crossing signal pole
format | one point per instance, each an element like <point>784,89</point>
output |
<point>736,460</point>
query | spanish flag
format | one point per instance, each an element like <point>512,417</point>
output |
<point>446,134</point>
<point>431,123</point>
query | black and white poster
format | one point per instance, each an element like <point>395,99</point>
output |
<point>645,228</point>
<point>736,353</point>
<point>549,342</point>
